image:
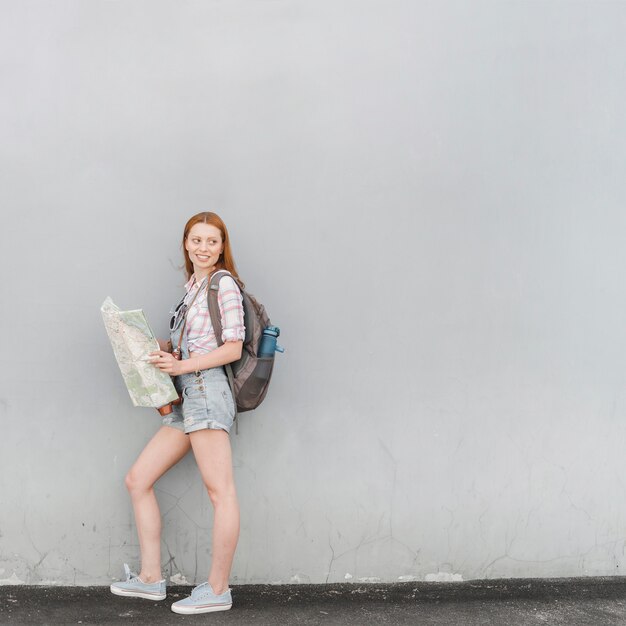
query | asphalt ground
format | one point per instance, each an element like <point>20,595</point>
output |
<point>505,602</point>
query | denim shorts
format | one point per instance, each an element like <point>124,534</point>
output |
<point>207,402</point>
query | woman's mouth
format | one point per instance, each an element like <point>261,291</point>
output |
<point>202,257</point>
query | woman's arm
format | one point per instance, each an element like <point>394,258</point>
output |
<point>227,353</point>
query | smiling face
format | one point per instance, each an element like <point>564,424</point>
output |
<point>204,245</point>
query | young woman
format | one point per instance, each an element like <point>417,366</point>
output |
<point>202,423</point>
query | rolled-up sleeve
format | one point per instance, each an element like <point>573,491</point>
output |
<point>230,302</point>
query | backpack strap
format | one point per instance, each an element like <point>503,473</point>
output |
<point>216,322</point>
<point>214,309</point>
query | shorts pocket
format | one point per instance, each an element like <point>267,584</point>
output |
<point>194,391</point>
<point>220,399</point>
<point>228,399</point>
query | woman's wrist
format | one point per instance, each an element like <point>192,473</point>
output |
<point>192,365</point>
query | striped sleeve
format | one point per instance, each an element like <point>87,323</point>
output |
<point>230,302</point>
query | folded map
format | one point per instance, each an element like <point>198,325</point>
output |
<point>132,339</point>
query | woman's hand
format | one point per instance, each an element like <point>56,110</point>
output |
<point>166,363</point>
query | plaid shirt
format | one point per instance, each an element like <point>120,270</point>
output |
<point>200,333</point>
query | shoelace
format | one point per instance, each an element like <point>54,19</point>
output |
<point>196,591</point>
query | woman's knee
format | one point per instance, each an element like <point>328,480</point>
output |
<point>135,481</point>
<point>220,492</point>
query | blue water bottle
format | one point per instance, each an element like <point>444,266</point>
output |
<point>268,343</point>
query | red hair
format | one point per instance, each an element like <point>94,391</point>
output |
<point>226,261</point>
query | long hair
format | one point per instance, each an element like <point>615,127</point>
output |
<point>226,261</point>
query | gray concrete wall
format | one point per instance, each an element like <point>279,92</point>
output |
<point>429,198</point>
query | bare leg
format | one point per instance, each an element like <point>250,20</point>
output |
<point>213,456</point>
<point>165,449</point>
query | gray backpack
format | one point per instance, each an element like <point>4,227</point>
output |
<point>249,377</point>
